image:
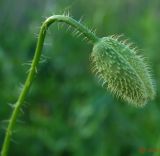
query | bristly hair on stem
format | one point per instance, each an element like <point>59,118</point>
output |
<point>123,72</point>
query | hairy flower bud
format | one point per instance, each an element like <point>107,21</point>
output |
<point>122,71</point>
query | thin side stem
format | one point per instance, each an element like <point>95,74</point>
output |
<point>56,18</point>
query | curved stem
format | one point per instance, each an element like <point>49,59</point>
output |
<point>56,18</point>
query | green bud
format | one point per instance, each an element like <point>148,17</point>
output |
<point>122,71</point>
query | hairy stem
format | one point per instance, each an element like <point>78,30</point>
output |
<point>56,18</point>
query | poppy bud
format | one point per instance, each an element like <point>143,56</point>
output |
<point>122,71</point>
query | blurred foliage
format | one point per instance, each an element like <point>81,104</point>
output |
<point>67,112</point>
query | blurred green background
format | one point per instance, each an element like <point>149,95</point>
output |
<point>67,112</point>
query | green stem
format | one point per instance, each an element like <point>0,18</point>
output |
<point>36,58</point>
